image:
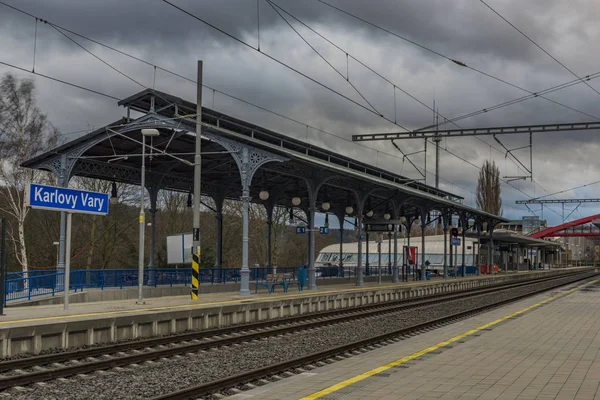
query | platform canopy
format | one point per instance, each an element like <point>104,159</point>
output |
<point>237,155</point>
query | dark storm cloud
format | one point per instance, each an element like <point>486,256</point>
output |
<point>462,29</point>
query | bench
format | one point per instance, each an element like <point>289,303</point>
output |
<point>272,280</point>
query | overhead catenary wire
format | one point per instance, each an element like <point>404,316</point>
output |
<point>513,158</point>
<point>188,79</point>
<point>275,5</point>
<point>346,78</point>
<point>538,46</point>
<point>283,64</point>
<point>457,62</point>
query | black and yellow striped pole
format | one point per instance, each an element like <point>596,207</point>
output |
<point>195,274</point>
<point>197,191</point>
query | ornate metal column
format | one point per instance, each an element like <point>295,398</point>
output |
<point>153,191</point>
<point>245,272</point>
<point>269,209</point>
<point>359,272</point>
<point>312,272</point>
<point>491,248</point>
<point>445,220</point>
<point>423,226</point>
<point>63,181</point>
<point>395,277</point>
<point>341,218</point>
<point>219,234</point>
<point>463,221</point>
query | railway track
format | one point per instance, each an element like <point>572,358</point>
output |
<point>237,381</point>
<point>30,370</point>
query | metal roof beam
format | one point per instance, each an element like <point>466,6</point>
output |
<point>501,130</point>
<point>565,201</point>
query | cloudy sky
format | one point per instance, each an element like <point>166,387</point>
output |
<point>464,30</point>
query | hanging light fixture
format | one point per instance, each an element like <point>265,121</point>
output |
<point>403,219</point>
<point>113,194</point>
<point>387,214</point>
<point>326,205</point>
<point>349,210</point>
<point>370,212</point>
<point>189,200</point>
<point>326,220</point>
<point>264,194</point>
<point>296,201</point>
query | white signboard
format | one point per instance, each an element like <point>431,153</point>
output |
<point>179,248</point>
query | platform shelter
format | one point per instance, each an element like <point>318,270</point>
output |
<point>248,163</point>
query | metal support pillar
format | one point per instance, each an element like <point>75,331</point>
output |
<point>359,272</point>
<point>423,226</point>
<point>406,265</point>
<point>269,209</point>
<point>491,250</point>
<point>245,271</point>
<point>197,188</point>
<point>341,262</point>
<point>142,226</point>
<point>464,264</point>
<point>219,232</point>
<point>395,277</point>
<point>63,181</point>
<point>379,262</point>
<point>445,249</point>
<point>152,258</point>
<point>367,265</point>
<point>312,272</point>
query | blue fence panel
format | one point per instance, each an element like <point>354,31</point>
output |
<point>25,285</point>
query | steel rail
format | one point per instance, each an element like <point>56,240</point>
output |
<point>28,362</point>
<point>314,321</point>
<point>196,392</point>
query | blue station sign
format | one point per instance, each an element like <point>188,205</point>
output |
<point>69,200</point>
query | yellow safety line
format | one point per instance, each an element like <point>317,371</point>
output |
<point>365,375</point>
<point>196,305</point>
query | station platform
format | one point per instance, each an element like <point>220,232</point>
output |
<point>545,347</point>
<point>36,328</point>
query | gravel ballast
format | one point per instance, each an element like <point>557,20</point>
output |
<point>167,375</point>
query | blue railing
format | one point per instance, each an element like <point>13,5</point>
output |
<point>25,285</point>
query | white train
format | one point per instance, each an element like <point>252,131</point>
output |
<point>434,253</point>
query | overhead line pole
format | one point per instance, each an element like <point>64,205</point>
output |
<point>197,188</point>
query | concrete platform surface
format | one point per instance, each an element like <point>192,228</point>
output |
<point>545,347</point>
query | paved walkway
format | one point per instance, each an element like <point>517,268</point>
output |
<point>546,347</point>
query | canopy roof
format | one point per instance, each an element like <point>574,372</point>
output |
<point>284,166</point>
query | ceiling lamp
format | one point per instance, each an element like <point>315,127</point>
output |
<point>113,194</point>
<point>326,206</point>
<point>370,213</point>
<point>349,210</point>
<point>387,216</point>
<point>264,195</point>
<point>296,201</point>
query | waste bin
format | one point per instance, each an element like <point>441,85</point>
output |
<point>427,275</point>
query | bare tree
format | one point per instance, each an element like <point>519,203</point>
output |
<point>488,189</point>
<point>24,133</point>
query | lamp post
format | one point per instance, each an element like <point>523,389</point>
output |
<point>151,133</point>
